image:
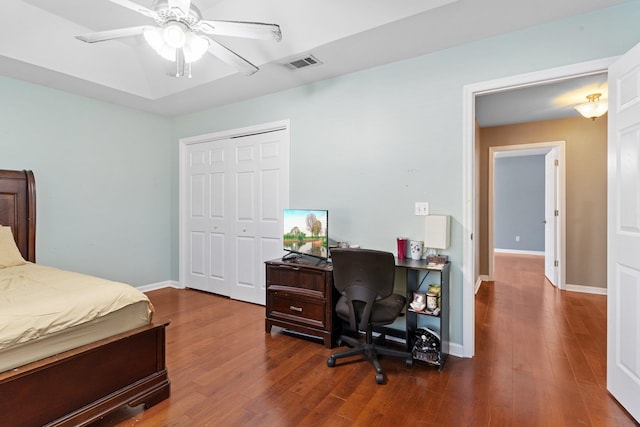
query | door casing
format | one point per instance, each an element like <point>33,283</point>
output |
<point>470,278</point>
<point>533,148</point>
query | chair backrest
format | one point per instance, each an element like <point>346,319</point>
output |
<point>362,276</point>
<point>376,269</point>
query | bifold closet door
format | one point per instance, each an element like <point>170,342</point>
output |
<point>260,187</point>
<point>208,221</point>
<point>237,189</point>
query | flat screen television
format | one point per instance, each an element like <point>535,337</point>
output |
<point>305,232</point>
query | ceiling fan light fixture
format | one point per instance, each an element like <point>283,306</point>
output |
<point>153,36</point>
<point>166,41</point>
<point>155,39</point>
<point>174,35</point>
<point>195,47</point>
<point>594,107</point>
<point>176,38</point>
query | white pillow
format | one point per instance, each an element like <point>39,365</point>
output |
<point>9,253</point>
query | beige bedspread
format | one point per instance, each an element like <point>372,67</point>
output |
<point>36,301</point>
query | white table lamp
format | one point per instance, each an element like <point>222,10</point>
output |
<point>436,233</point>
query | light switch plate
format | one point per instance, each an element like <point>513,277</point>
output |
<point>422,208</point>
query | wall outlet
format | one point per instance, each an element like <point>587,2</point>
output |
<point>517,238</point>
<point>422,208</point>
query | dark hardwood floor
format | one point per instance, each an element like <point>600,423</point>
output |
<point>540,361</point>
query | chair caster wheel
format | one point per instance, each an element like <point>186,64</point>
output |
<point>408,363</point>
<point>380,378</point>
<point>331,362</point>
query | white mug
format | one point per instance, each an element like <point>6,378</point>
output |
<point>415,249</point>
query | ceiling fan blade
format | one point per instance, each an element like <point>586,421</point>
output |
<point>183,5</point>
<point>101,36</point>
<point>135,7</point>
<point>252,30</point>
<point>231,58</point>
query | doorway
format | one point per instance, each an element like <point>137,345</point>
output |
<point>470,269</point>
<point>554,205</point>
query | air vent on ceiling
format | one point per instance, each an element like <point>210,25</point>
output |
<point>303,62</point>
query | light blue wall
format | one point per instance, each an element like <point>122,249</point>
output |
<point>380,140</point>
<point>519,203</point>
<point>102,181</point>
<point>384,138</point>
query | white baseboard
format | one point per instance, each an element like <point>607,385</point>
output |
<point>456,349</point>
<point>585,289</point>
<point>159,285</point>
<point>517,251</point>
<point>481,278</point>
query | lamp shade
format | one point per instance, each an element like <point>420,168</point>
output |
<point>195,47</point>
<point>166,41</point>
<point>594,108</point>
<point>174,35</point>
<point>436,231</point>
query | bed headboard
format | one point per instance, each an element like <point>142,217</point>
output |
<point>18,209</point>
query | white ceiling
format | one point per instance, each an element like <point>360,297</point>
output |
<point>542,102</point>
<point>37,44</point>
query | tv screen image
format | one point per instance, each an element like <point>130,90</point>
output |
<point>305,232</point>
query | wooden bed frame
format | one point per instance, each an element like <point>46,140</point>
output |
<point>81,385</point>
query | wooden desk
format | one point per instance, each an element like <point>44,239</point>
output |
<point>301,297</point>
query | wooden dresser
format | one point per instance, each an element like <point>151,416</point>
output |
<point>300,297</point>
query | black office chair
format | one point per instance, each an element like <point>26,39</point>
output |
<point>365,279</point>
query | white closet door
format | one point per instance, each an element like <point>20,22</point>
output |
<point>233,192</point>
<point>260,183</point>
<point>208,221</point>
<point>218,224</point>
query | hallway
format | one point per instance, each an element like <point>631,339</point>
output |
<point>544,349</point>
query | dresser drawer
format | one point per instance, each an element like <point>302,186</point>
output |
<point>296,308</point>
<point>296,277</point>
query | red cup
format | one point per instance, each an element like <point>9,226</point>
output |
<point>402,247</point>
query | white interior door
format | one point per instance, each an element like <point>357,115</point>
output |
<point>207,228</point>
<point>551,206</point>
<point>623,234</point>
<point>260,185</point>
<point>234,186</point>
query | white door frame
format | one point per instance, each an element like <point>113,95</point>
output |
<point>526,149</point>
<point>469,202</point>
<point>554,199</point>
<point>182,186</point>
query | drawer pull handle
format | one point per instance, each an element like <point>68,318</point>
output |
<point>294,308</point>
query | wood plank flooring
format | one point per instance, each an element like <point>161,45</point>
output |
<point>540,361</point>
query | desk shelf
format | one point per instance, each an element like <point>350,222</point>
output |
<point>423,320</point>
<point>425,313</point>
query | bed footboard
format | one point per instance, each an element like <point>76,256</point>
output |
<point>82,385</point>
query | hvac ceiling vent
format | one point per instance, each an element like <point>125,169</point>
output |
<point>303,62</point>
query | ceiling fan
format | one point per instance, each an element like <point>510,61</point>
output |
<point>182,36</point>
